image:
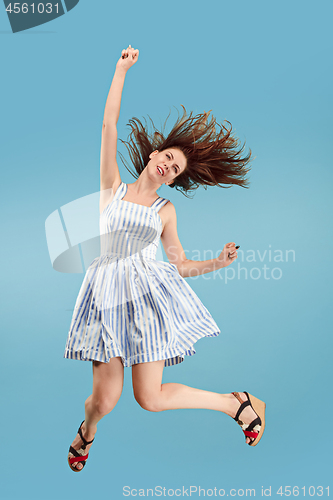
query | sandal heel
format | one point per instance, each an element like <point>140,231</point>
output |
<point>259,407</point>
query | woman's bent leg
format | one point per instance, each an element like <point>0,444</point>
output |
<point>108,379</point>
<point>152,395</point>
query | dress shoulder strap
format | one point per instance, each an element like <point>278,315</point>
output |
<point>120,191</point>
<point>159,203</point>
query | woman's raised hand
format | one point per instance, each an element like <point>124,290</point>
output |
<point>129,57</point>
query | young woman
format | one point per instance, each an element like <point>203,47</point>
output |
<point>133,310</point>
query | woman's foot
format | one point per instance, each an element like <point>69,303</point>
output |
<point>79,445</point>
<point>246,416</point>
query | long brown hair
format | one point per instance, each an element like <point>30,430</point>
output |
<point>213,157</point>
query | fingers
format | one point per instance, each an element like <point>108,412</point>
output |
<point>130,52</point>
<point>232,253</point>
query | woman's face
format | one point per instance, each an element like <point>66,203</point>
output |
<point>167,164</point>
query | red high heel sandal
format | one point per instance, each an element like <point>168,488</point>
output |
<point>79,455</point>
<point>256,428</point>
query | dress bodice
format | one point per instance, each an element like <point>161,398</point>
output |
<point>129,229</point>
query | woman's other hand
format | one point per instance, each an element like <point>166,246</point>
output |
<point>228,254</point>
<point>129,57</point>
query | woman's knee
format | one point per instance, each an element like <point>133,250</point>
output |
<point>102,405</point>
<point>147,384</point>
<point>107,386</point>
<point>148,401</point>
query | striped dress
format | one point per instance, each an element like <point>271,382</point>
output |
<point>131,305</point>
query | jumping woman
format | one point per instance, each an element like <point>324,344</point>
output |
<point>133,310</point>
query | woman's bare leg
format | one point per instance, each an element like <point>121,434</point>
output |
<point>152,395</point>
<point>108,381</point>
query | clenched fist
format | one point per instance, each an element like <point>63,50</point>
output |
<point>228,254</point>
<point>129,57</point>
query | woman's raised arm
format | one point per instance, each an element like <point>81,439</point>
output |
<point>109,173</point>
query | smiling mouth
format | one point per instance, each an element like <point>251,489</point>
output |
<point>160,170</point>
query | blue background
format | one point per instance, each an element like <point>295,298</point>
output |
<point>265,67</point>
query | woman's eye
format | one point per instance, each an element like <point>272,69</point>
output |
<point>175,169</point>
<point>168,156</point>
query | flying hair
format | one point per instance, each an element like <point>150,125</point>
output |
<point>213,154</point>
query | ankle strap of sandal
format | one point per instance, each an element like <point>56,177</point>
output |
<point>236,394</point>
<point>83,439</point>
<point>243,405</point>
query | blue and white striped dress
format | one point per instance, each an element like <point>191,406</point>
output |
<point>131,305</point>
